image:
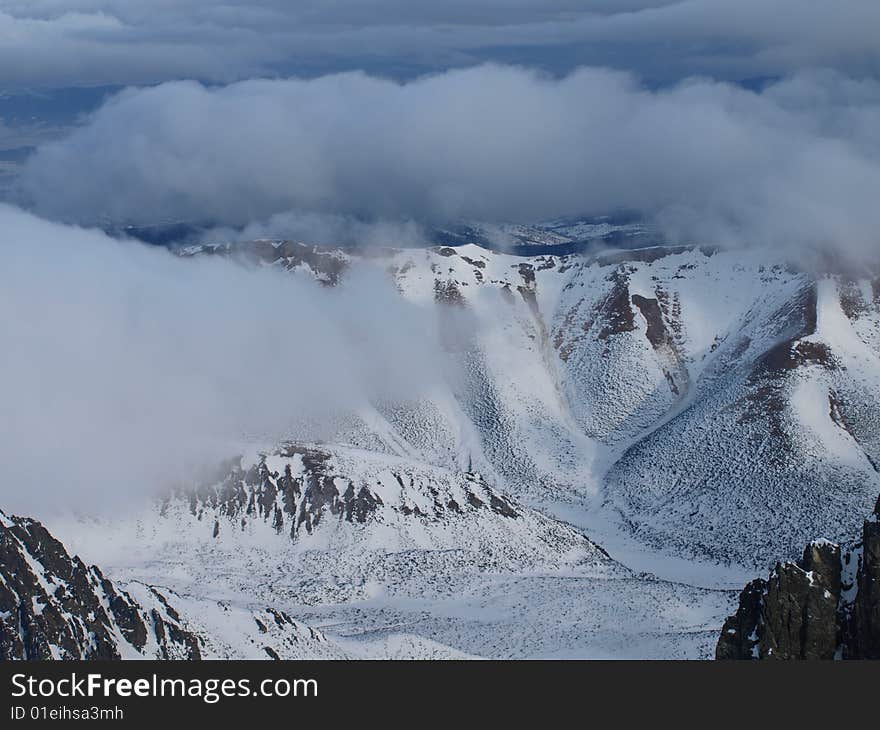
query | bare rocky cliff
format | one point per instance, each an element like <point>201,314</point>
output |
<point>824,606</point>
<point>54,607</point>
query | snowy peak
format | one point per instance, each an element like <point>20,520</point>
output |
<point>307,489</point>
<point>326,266</point>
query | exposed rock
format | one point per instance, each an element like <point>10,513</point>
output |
<point>447,292</point>
<point>661,339</point>
<point>739,638</point>
<point>316,493</point>
<point>327,266</point>
<point>615,310</point>
<point>797,351</point>
<point>656,333</point>
<point>53,607</point>
<point>815,608</point>
<point>866,607</point>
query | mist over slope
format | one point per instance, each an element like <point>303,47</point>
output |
<point>711,407</point>
<point>121,358</point>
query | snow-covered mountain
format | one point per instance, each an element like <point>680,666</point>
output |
<point>393,557</point>
<point>721,402</point>
<point>54,607</point>
<point>697,412</point>
<point>319,526</point>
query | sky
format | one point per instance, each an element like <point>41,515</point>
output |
<point>731,122</point>
<point>718,117</point>
<point>58,43</point>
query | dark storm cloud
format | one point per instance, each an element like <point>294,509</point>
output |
<point>66,42</point>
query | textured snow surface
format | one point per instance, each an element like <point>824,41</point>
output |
<point>698,413</point>
<point>230,631</point>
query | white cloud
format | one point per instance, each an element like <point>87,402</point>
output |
<point>125,368</point>
<point>798,162</point>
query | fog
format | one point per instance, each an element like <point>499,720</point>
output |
<point>126,368</point>
<point>797,162</point>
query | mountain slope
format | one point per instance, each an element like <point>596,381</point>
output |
<point>290,523</point>
<point>713,405</point>
<point>391,557</point>
<point>717,404</point>
<point>53,607</point>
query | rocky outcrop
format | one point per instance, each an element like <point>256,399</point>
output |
<point>327,266</point>
<point>865,612</point>
<point>824,606</point>
<point>54,607</point>
<point>614,312</point>
<point>297,502</point>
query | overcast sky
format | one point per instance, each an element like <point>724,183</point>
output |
<point>710,114</point>
<point>56,43</point>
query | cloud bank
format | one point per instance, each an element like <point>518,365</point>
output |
<point>126,368</point>
<point>797,162</point>
<point>70,42</point>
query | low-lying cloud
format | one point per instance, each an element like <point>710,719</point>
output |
<point>126,368</point>
<point>325,229</point>
<point>798,161</point>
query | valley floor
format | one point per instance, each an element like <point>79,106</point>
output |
<point>669,607</point>
<point>534,617</point>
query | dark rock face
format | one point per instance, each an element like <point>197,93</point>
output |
<point>53,607</point>
<point>447,292</point>
<point>283,499</point>
<point>824,606</point>
<point>866,609</point>
<point>739,637</point>
<point>795,351</point>
<point>663,339</point>
<point>800,609</point>
<point>615,311</point>
<point>656,333</point>
<point>327,266</point>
